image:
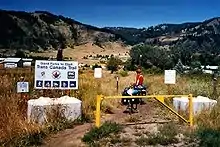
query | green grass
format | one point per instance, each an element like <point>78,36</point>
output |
<point>208,137</point>
<point>95,134</point>
<point>165,136</point>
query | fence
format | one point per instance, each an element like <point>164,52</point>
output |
<point>159,98</point>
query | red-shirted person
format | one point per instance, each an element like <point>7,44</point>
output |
<point>139,78</point>
<point>139,82</point>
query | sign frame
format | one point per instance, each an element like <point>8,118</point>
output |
<point>170,76</point>
<point>61,75</point>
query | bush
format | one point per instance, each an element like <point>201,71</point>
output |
<point>123,73</point>
<point>113,64</point>
<point>208,137</point>
<point>153,70</point>
<point>96,66</point>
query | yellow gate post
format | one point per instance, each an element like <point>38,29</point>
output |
<point>98,110</point>
<point>190,110</point>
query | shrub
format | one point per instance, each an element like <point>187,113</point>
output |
<point>166,135</point>
<point>96,66</point>
<point>208,137</point>
<point>153,70</point>
<point>123,73</point>
<point>113,64</point>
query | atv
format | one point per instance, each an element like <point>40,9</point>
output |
<point>132,103</point>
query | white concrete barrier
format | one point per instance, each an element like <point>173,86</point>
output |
<point>69,107</point>
<point>200,103</point>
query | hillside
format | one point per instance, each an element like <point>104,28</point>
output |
<point>42,30</point>
<point>169,34</point>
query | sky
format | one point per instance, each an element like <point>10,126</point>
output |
<point>125,13</point>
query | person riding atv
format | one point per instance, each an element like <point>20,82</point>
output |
<point>139,82</point>
<point>132,103</point>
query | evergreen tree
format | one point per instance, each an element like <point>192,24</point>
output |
<point>179,67</point>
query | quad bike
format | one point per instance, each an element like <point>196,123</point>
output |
<point>132,103</point>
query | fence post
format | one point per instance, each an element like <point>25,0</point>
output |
<point>190,110</point>
<point>117,78</point>
<point>98,110</point>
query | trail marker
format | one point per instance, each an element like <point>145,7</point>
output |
<point>22,87</point>
<point>98,73</point>
<point>170,77</point>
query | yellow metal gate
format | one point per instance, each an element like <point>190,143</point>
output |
<point>159,98</point>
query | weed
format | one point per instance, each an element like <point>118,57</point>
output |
<point>142,141</point>
<point>114,139</point>
<point>126,141</point>
<point>169,130</point>
<point>165,136</point>
<point>132,118</point>
<point>104,131</point>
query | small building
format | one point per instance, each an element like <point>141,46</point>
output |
<point>13,62</point>
<point>209,69</point>
<point>2,59</point>
<point>27,62</point>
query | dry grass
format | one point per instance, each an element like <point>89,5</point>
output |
<point>88,49</point>
<point>13,107</point>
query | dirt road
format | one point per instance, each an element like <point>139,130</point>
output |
<point>145,121</point>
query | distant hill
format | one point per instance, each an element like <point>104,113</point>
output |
<point>167,33</point>
<point>42,30</point>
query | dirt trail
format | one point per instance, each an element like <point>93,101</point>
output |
<point>68,137</point>
<point>148,117</point>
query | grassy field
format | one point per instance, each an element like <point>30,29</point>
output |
<point>13,123</point>
<point>78,52</point>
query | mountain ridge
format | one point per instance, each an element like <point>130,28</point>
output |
<point>42,30</point>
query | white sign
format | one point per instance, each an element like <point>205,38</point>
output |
<point>56,74</point>
<point>98,72</point>
<point>22,87</point>
<point>170,77</point>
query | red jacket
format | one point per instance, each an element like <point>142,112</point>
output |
<point>139,79</point>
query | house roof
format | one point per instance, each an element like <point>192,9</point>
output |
<point>12,59</point>
<point>2,59</point>
<point>210,67</point>
<point>27,59</point>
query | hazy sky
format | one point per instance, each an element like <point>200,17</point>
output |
<point>128,13</point>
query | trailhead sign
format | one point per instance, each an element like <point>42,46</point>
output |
<point>56,74</point>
